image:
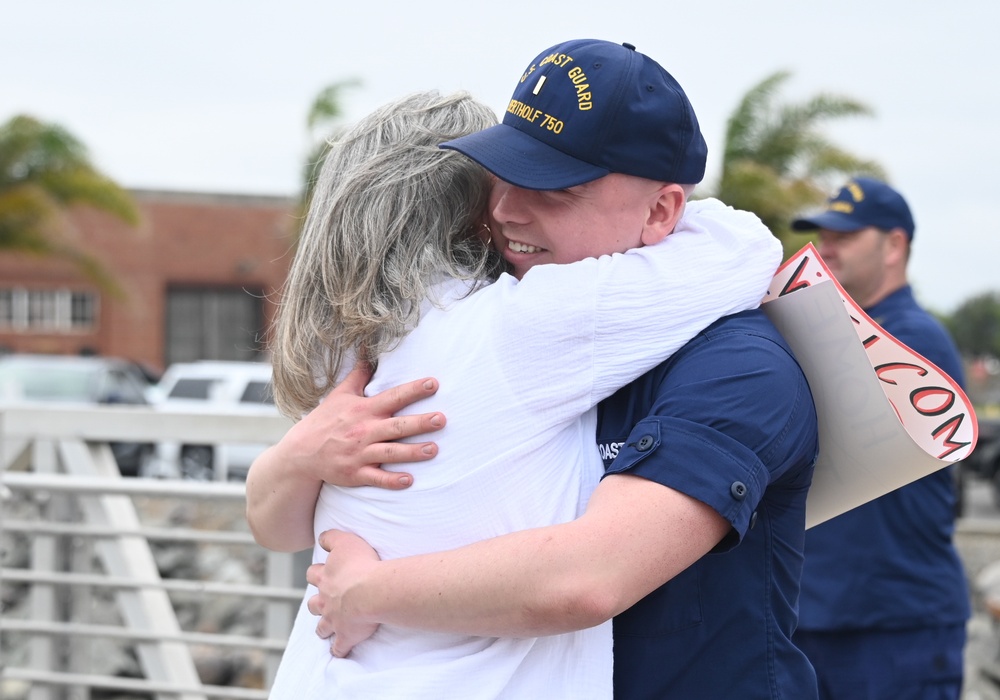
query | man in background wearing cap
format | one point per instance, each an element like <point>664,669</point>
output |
<point>884,598</point>
<point>693,540</point>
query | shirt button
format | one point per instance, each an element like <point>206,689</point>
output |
<point>645,443</point>
<point>753,519</point>
<point>738,490</point>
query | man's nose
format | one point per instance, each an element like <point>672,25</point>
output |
<point>508,203</point>
<point>826,245</point>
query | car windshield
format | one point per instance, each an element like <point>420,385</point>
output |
<point>45,382</point>
<point>257,392</point>
<point>193,389</point>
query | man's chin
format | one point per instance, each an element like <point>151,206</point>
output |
<point>519,268</point>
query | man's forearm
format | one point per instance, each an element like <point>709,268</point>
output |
<point>635,536</point>
<point>522,584</point>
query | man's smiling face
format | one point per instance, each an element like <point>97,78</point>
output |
<point>601,217</point>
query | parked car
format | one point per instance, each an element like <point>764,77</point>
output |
<point>217,387</point>
<point>77,380</point>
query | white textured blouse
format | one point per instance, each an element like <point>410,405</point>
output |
<point>521,365</point>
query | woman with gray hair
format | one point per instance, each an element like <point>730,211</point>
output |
<point>394,267</point>
<point>391,217</point>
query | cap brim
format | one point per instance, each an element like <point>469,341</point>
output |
<point>523,161</point>
<point>830,220</point>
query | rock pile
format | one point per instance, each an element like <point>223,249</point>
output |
<point>208,613</point>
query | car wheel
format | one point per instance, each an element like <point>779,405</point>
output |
<point>196,462</point>
<point>128,456</point>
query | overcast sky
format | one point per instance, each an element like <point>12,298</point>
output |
<point>211,95</point>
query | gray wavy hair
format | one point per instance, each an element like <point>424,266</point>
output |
<point>391,214</point>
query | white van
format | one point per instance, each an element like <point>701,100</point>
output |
<point>216,387</point>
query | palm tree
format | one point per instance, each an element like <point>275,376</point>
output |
<point>323,120</point>
<point>975,326</point>
<point>43,171</point>
<point>777,163</point>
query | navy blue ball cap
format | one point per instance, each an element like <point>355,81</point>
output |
<point>862,202</point>
<point>587,108</point>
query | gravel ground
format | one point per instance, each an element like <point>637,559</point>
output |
<point>978,541</point>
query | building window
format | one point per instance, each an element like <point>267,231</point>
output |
<point>214,324</point>
<point>6,307</point>
<point>43,309</point>
<point>82,310</point>
<point>47,310</point>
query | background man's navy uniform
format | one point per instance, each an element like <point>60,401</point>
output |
<point>884,597</point>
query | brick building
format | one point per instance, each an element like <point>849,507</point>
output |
<point>199,273</point>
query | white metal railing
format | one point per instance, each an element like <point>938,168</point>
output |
<point>63,499</point>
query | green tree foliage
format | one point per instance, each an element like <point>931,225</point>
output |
<point>975,326</point>
<point>43,171</point>
<point>323,123</point>
<point>776,161</point>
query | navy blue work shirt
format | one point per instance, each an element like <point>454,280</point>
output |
<point>729,420</point>
<point>891,564</point>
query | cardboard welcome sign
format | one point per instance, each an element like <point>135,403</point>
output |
<point>887,416</point>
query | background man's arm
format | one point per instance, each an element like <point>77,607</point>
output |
<point>634,536</point>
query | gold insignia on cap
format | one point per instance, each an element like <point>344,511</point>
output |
<point>843,207</point>
<point>856,191</point>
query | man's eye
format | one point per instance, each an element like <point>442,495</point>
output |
<point>567,192</point>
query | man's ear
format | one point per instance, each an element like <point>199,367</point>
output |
<point>898,249</point>
<point>665,211</point>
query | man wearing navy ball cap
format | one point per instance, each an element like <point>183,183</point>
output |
<point>693,540</point>
<point>588,109</point>
<point>884,597</point>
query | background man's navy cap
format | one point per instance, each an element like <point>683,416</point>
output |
<point>860,203</point>
<point>586,108</point>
